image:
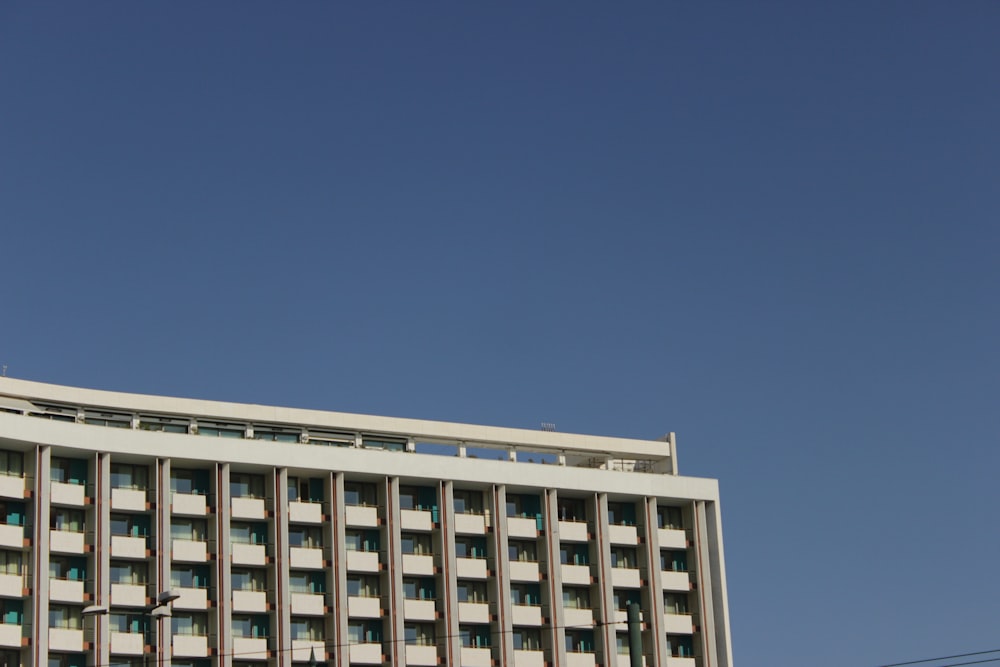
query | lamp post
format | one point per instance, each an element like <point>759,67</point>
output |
<point>95,610</point>
<point>156,611</point>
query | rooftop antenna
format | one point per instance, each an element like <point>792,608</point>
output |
<point>548,426</point>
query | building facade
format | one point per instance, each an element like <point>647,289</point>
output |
<point>146,530</point>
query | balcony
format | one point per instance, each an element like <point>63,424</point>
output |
<point>66,542</point>
<point>623,534</point>
<point>249,602</point>
<point>190,551</point>
<point>476,657</point>
<point>421,655</point>
<point>623,660</point>
<point>529,659</point>
<point>12,486</point>
<point>305,558</point>
<point>624,577</point>
<point>130,500</point>
<point>580,659</point>
<point>471,568</point>
<point>576,575</point>
<point>678,624</point>
<point>362,561</point>
<point>473,612</point>
<point>358,607</point>
<point>189,504</point>
<point>248,508</point>
<point>250,648</point>
<point>127,643</point>
<point>65,590</point>
<point>190,646</point>
<point>65,639</point>
<point>249,554</point>
<point>418,564</point>
<point>680,662</point>
<point>415,520</point>
<point>128,595</point>
<point>300,512</point>
<point>675,581</point>
<point>672,539</point>
<point>308,604</point>
<point>12,535</point>
<point>573,531</point>
<point>10,635</point>
<point>522,527</point>
<point>301,648</point>
<point>123,546</point>
<point>68,494</point>
<point>366,654</point>
<point>361,516</point>
<point>470,524</point>
<point>524,571</point>
<point>419,610</point>
<point>578,617</point>
<point>11,586</point>
<point>526,615</point>
<point>191,598</point>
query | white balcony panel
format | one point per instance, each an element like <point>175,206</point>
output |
<point>191,598</point>
<point>623,660</point>
<point>301,648</point>
<point>473,612</point>
<point>526,615</point>
<point>524,571</point>
<point>10,635</point>
<point>254,602</point>
<point>471,568</point>
<point>521,527</point>
<point>190,646</point>
<point>359,515</point>
<point>362,561</point>
<point>418,610</point>
<point>126,643</point>
<point>247,508</point>
<point>64,639</point>
<point>129,595</point>
<point>529,659</point>
<point>193,504</point>
<point>366,654</point>
<point>12,536</point>
<point>307,604</point>
<point>305,512</point>
<point>623,534</point>
<point>65,590</point>
<point>250,648</point>
<point>358,607</point>
<point>249,554</point>
<point>131,500</point>
<point>622,577</point>
<point>678,624</point>
<point>470,524</point>
<point>680,662</point>
<point>672,539</point>
<point>68,494</point>
<point>576,575</point>
<point>418,564</point>
<point>65,542</point>
<point>421,655</point>
<point>123,546</point>
<point>675,581</point>
<point>301,557</point>
<point>12,486</point>
<point>580,660</point>
<point>476,657</point>
<point>575,617</point>
<point>190,551</point>
<point>415,520</point>
<point>11,585</point>
<point>573,531</point>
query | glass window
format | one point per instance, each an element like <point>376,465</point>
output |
<point>680,646</point>
<point>669,517</point>
<point>388,444</point>
<point>622,599</point>
<point>472,591</point>
<point>475,636</point>
<point>69,471</point>
<point>468,502</point>
<point>241,532</point>
<point>129,572</point>
<point>246,485</point>
<point>250,626</point>
<point>189,481</point>
<point>525,594</point>
<point>128,476</point>
<point>527,639</point>
<point>360,493</point>
<point>580,641</point>
<point>574,554</point>
<point>362,586</point>
<point>307,629</point>
<point>576,597</point>
<point>419,634</point>
<point>11,463</point>
<point>572,509</point>
<point>624,557</point>
<point>10,562</point>
<point>305,490</point>
<point>675,603</point>
<point>416,543</point>
<point>62,616</point>
<point>189,576</point>
<point>307,582</point>
<point>362,540</point>
<point>67,520</point>
<point>309,537</point>
<point>418,588</point>
<point>194,530</point>
<point>621,514</point>
<point>68,569</point>
<point>190,624</point>
<point>130,525</point>
<point>522,550</point>
<point>470,547</point>
<point>673,561</point>
<point>364,632</point>
<point>249,580</point>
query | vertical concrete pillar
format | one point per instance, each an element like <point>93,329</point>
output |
<point>394,566</point>
<point>223,566</point>
<point>553,581</point>
<point>604,633</point>
<point>703,576</point>
<point>717,571</point>
<point>448,596</point>
<point>40,564</point>
<point>505,625</point>
<point>164,549</point>
<point>102,558</point>
<point>282,595</point>
<point>656,647</point>
<point>340,651</point>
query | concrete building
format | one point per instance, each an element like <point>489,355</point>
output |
<point>145,530</point>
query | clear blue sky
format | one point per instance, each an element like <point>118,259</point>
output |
<point>771,227</point>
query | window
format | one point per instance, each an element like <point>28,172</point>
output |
<point>221,429</point>
<point>622,599</point>
<point>67,569</point>
<point>417,498</point>
<point>305,489</point>
<point>524,505</point>
<point>306,537</point>
<point>189,624</point>
<point>673,561</point>
<point>580,641</point>
<point>621,643</point>
<point>68,520</point>
<point>248,627</point>
<point>275,434</point>
<point>132,573</point>
<point>468,502</point>
<point>675,603</point>
<point>246,485</point>
<point>10,562</point>
<point>576,597</point>
<point>621,514</point>
<point>12,659</point>
<point>69,471</point>
<point>249,580</point>
<point>474,636</point>
<point>331,439</point>
<point>472,591</point>
<point>128,476</point>
<point>416,543</point>
<point>363,494</point>
<point>388,444</point>
<point>11,513</point>
<point>12,612</point>
<point>419,634</point>
<point>529,595</point>
<point>624,557</point>
<point>364,632</point>
<point>522,550</point>
<point>307,629</point>
<point>363,586</point>
<point>194,530</point>
<point>669,517</point>
<point>194,482</point>
<point>189,576</point>
<point>572,509</point>
<point>112,419</point>
<point>307,582</point>
<point>680,646</point>
<point>241,532</point>
<point>362,540</point>
<point>62,616</point>
<point>574,554</point>
<point>130,525</point>
<point>11,463</point>
<point>470,547</point>
<point>527,639</point>
<point>130,623</point>
<point>418,588</point>
<point>163,424</point>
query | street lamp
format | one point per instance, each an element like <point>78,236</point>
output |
<point>95,610</point>
<point>154,611</point>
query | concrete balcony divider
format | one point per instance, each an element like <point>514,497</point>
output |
<point>522,527</point>
<point>249,554</point>
<point>302,557</point>
<point>250,648</point>
<point>247,508</point>
<point>471,568</point>
<point>300,512</point>
<point>65,590</point>
<point>12,486</point>
<point>65,639</point>
<point>123,546</point>
<point>253,602</point>
<point>132,500</point>
<point>66,542</point>
<point>192,504</point>
<point>68,494</point>
<point>190,646</point>
<point>358,607</point>
<point>362,561</point>
<point>473,612</point>
<point>415,520</point>
<point>419,610</point>
<point>308,604</point>
<point>573,531</point>
<point>418,564</point>
<point>128,595</point>
<point>360,515</point>
<point>470,524</point>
